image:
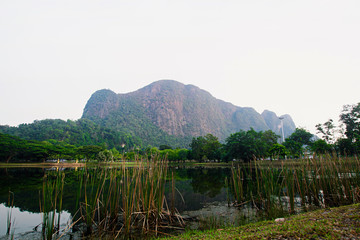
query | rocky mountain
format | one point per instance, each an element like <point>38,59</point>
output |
<point>274,123</point>
<point>170,112</point>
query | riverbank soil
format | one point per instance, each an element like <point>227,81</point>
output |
<point>332,223</point>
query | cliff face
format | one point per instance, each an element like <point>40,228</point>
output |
<point>172,108</point>
<point>274,123</point>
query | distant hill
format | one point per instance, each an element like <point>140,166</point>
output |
<point>169,112</point>
<point>80,133</point>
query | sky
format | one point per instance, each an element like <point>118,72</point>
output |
<point>298,57</point>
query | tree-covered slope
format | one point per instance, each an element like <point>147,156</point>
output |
<point>81,132</point>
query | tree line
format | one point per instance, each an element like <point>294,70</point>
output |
<point>95,143</point>
<point>342,140</point>
<point>79,133</point>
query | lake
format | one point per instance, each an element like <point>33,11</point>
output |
<point>200,193</point>
<point>118,199</point>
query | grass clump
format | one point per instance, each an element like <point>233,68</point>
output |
<point>127,201</point>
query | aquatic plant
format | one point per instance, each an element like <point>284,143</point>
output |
<point>10,221</point>
<point>51,202</point>
<point>325,181</point>
<point>128,200</point>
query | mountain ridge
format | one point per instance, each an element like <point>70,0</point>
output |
<point>170,109</point>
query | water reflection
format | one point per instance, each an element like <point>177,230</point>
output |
<point>196,189</point>
<point>25,221</point>
<point>200,186</point>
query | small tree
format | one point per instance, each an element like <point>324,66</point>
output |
<point>277,151</point>
<point>207,147</point>
<point>244,145</point>
<point>320,147</point>
<point>350,116</point>
<point>327,130</point>
<point>90,152</point>
<point>297,140</point>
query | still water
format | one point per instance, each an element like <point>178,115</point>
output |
<point>201,193</point>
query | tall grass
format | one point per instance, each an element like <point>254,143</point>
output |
<point>326,181</point>
<point>125,201</point>
<point>113,202</point>
<point>51,202</point>
<point>10,221</point>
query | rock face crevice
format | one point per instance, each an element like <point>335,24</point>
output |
<point>179,110</point>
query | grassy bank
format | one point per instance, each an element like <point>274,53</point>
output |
<point>333,223</point>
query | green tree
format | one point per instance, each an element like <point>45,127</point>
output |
<point>326,130</point>
<point>105,156</point>
<point>183,154</point>
<point>345,147</point>
<point>245,145</point>
<point>301,136</point>
<point>277,151</point>
<point>10,147</point>
<point>90,152</point>
<point>297,141</point>
<point>294,148</point>
<point>350,116</point>
<point>320,147</point>
<point>270,138</point>
<point>163,147</point>
<point>207,147</point>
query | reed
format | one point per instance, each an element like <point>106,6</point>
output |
<point>50,203</point>
<point>10,221</point>
<point>127,201</point>
<point>326,181</point>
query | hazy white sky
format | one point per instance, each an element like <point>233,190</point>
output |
<point>297,57</point>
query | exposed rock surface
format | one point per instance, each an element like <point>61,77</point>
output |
<point>176,109</point>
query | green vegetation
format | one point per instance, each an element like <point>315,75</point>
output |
<point>168,112</point>
<point>126,201</point>
<point>17,149</point>
<point>329,223</point>
<point>126,114</point>
<point>50,203</point>
<point>114,202</point>
<point>204,148</point>
<point>324,182</point>
<point>10,221</point>
<point>344,139</point>
<point>249,145</point>
<point>79,133</point>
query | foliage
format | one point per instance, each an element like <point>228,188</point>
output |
<point>16,149</point>
<point>327,130</point>
<point>207,147</point>
<point>321,147</point>
<point>296,142</point>
<point>349,141</point>
<point>350,116</point>
<point>172,155</point>
<point>301,136</point>
<point>249,145</point>
<point>131,118</point>
<point>79,133</point>
<point>277,151</point>
<point>164,146</point>
<point>90,152</point>
<point>345,147</point>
